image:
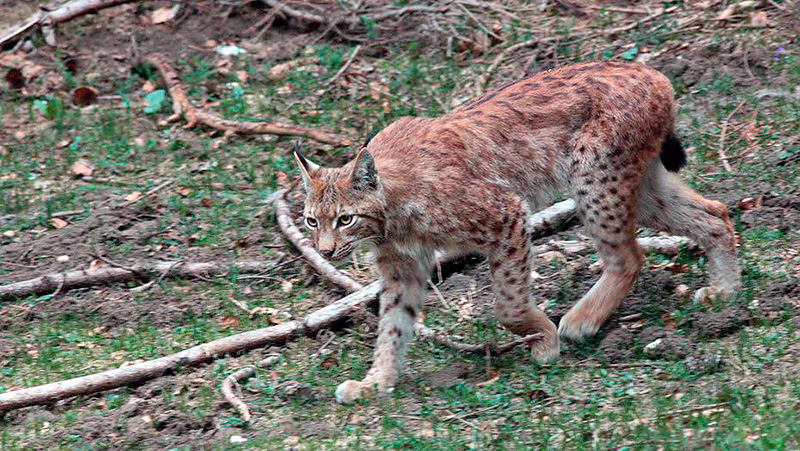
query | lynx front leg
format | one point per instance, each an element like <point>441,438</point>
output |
<point>403,288</point>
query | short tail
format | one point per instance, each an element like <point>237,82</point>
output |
<point>672,154</point>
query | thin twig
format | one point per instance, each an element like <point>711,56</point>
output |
<point>232,382</point>
<point>345,66</point>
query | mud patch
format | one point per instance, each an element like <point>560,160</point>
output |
<point>618,345</point>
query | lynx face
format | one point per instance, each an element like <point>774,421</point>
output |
<point>344,206</point>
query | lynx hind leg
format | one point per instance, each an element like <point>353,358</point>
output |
<point>667,204</point>
<point>606,201</point>
<point>510,264</point>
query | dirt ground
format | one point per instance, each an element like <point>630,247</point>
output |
<point>730,70</point>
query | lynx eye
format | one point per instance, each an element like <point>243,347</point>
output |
<point>311,223</point>
<point>344,220</point>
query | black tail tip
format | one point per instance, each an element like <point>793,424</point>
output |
<point>672,154</point>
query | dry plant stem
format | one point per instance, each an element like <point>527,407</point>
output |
<point>107,380</point>
<point>487,75</point>
<point>91,277</point>
<point>182,106</point>
<point>61,14</point>
<point>228,391</point>
<point>491,348</point>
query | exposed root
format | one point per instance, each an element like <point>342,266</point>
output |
<point>181,106</point>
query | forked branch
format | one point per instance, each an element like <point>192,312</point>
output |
<point>181,106</point>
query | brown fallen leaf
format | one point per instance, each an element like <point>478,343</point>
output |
<point>15,79</point>
<point>133,196</point>
<point>82,168</point>
<point>759,19</point>
<point>749,203</point>
<point>148,86</point>
<point>183,191</point>
<point>84,96</point>
<point>229,321</point>
<point>58,223</point>
<point>279,71</point>
<point>165,14</point>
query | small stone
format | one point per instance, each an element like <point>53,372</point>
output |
<point>235,439</point>
<point>9,234</point>
<point>62,258</point>
<point>653,349</point>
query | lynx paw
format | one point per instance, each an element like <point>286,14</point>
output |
<point>576,326</point>
<point>707,295</point>
<point>546,350</point>
<point>349,392</point>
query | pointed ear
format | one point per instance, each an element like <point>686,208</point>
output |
<point>307,168</point>
<point>364,175</point>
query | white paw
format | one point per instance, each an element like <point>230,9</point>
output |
<point>546,350</point>
<point>349,392</point>
<point>709,295</point>
<point>576,328</point>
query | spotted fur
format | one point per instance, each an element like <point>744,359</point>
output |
<point>465,182</point>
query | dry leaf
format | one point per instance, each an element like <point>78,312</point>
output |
<point>82,168</point>
<point>165,14</point>
<point>241,75</point>
<point>229,321</point>
<point>84,96</point>
<point>15,79</point>
<point>278,72</point>
<point>758,19</point>
<point>58,223</point>
<point>133,196</point>
<point>183,191</point>
<point>95,264</point>
<point>682,291</point>
<point>749,203</point>
<point>148,86</point>
<point>9,234</point>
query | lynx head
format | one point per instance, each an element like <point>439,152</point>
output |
<point>344,206</point>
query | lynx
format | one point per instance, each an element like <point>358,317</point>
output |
<point>465,182</point>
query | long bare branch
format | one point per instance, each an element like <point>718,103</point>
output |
<point>181,106</point>
<point>142,271</point>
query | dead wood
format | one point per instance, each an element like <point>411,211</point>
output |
<point>107,380</point>
<point>181,106</point>
<point>228,390</point>
<point>47,17</point>
<point>494,349</point>
<point>141,271</point>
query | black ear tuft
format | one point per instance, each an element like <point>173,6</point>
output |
<point>364,176</point>
<point>369,138</point>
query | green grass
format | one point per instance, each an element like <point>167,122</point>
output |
<point>579,403</point>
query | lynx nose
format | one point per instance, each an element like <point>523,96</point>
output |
<point>327,253</point>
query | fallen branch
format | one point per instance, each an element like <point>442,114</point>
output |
<point>228,387</point>
<point>231,384</point>
<point>426,333</point>
<point>181,106</point>
<point>142,271</point>
<point>46,19</point>
<point>107,380</point>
